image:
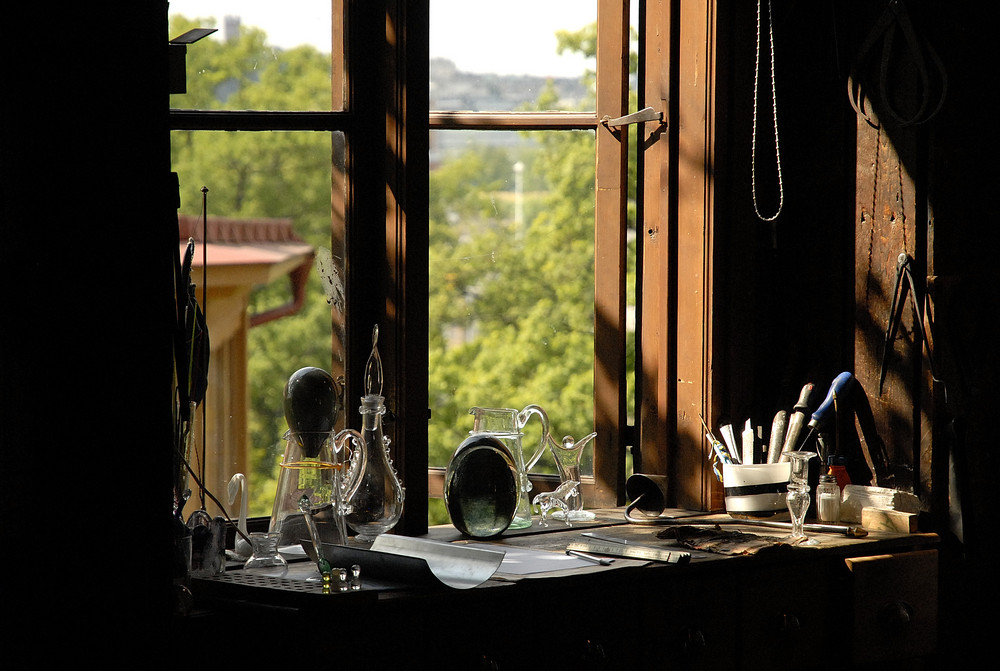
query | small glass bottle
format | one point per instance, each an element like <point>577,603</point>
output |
<point>828,499</point>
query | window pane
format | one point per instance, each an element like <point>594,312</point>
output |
<point>489,56</point>
<point>264,56</point>
<point>511,281</point>
<point>262,187</point>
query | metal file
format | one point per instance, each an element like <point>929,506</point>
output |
<point>631,551</point>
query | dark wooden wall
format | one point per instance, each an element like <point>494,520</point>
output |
<point>88,250</point>
<point>810,298</point>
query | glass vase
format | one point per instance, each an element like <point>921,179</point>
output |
<point>314,466</point>
<point>265,551</point>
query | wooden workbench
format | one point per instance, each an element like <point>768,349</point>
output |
<point>846,603</point>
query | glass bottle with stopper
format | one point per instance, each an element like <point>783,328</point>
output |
<point>377,501</point>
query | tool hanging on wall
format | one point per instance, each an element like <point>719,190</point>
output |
<point>933,82</point>
<point>906,286</point>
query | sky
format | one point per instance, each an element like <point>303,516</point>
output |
<point>512,37</point>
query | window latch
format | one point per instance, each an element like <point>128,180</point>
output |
<point>642,116</point>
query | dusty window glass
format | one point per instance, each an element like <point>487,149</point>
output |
<point>267,196</point>
<point>507,56</point>
<point>512,218</point>
<point>263,55</point>
<point>511,277</point>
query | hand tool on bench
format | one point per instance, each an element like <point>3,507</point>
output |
<point>847,394</point>
<point>797,419</point>
<point>777,438</point>
<point>828,408</point>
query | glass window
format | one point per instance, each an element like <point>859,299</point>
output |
<point>489,57</point>
<point>269,203</point>
<point>266,308</point>
<point>515,283</point>
<point>511,280</point>
<point>263,55</point>
<point>530,253</point>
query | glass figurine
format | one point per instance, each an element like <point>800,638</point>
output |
<point>568,455</point>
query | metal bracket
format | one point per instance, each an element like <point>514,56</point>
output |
<point>642,116</point>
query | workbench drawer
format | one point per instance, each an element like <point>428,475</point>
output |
<point>787,620</point>
<point>687,625</point>
<point>895,599</point>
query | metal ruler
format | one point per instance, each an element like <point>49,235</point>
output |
<point>630,551</point>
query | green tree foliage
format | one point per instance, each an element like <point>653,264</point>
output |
<point>511,310</point>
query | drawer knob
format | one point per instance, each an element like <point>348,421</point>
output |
<point>896,616</point>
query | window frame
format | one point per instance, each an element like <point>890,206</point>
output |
<point>386,104</point>
<point>381,60</point>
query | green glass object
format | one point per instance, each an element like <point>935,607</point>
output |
<point>481,487</point>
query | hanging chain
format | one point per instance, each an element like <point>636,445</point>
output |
<point>774,108</point>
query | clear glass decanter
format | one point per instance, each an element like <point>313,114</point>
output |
<point>377,502</point>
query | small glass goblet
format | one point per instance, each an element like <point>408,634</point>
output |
<point>798,498</point>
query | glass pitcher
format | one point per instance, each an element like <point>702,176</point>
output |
<point>506,425</point>
<point>318,466</point>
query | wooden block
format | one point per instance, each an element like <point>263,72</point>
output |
<point>879,519</point>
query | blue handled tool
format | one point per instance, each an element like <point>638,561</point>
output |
<point>828,408</point>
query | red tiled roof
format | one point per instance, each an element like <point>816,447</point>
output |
<point>233,242</point>
<point>249,252</point>
<point>237,231</point>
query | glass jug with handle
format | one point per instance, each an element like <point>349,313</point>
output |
<point>320,467</point>
<point>507,426</point>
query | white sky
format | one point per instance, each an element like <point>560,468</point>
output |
<point>514,37</point>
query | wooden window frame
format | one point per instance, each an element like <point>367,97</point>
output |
<point>387,105</point>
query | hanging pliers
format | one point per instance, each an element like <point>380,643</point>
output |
<point>904,285</point>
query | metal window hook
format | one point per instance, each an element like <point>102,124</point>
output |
<point>642,116</point>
